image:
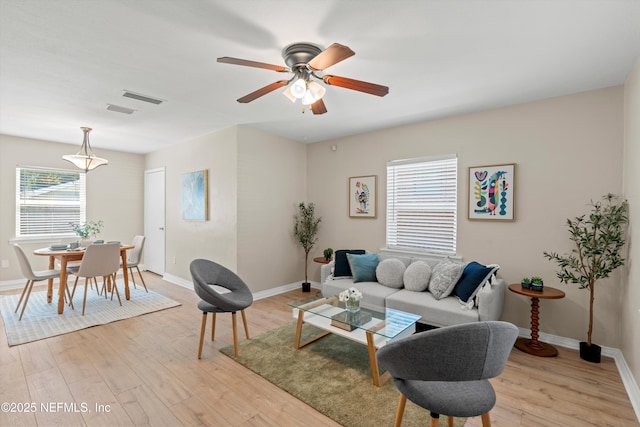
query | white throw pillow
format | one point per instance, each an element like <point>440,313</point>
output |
<point>416,276</point>
<point>390,272</point>
<point>444,277</point>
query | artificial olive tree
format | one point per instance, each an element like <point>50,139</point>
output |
<point>306,232</point>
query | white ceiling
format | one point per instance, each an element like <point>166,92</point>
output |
<point>63,61</point>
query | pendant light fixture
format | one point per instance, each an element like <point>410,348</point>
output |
<point>85,159</point>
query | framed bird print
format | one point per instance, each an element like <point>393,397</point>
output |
<point>492,191</point>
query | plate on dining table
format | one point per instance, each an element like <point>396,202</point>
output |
<point>58,247</point>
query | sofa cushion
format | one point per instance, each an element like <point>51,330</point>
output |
<point>416,277</point>
<point>444,277</point>
<point>473,277</point>
<point>444,312</point>
<point>363,267</point>
<point>390,272</point>
<point>341,267</point>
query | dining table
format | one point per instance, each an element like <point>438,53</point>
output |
<point>75,254</point>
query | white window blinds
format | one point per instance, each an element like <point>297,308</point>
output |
<point>48,200</point>
<point>421,204</point>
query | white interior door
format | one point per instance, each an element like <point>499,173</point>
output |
<point>154,220</point>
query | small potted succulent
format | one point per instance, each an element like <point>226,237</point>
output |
<point>525,283</point>
<point>328,253</point>
<point>537,284</point>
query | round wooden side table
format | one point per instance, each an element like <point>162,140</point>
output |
<point>321,260</point>
<point>532,345</point>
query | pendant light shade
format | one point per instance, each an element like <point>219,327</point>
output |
<point>85,159</point>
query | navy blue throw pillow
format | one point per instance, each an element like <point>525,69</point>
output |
<point>341,267</point>
<point>473,276</point>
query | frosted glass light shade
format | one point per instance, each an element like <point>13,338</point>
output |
<point>85,159</point>
<point>299,88</point>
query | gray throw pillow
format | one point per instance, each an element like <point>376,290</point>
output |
<point>444,277</point>
<point>416,276</point>
<point>390,272</point>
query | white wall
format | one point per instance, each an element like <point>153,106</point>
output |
<point>568,150</point>
<point>215,239</point>
<point>114,193</point>
<point>271,184</point>
<point>630,297</point>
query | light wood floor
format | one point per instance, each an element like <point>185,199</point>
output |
<point>145,372</point>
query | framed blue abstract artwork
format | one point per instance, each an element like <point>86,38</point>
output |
<point>492,192</point>
<point>195,205</point>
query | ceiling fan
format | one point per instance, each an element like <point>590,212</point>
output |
<point>306,61</point>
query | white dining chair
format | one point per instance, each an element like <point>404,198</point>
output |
<point>101,260</point>
<point>31,276</point>
<point>133,259</point>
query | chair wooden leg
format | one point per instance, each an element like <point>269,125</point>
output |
<point>486,420</point>
<point>202,328</point>
<point>115,287</point>
<point>26,299</point>
<point>244,322</point>
<point>450,421</point>
<point>433,422</point>
<point>235,334</point>
<point>66,288</point>
<point>141,278</point>
<point>75,283</point>
<point>84,300</point>
<point>400,412</point>
<point>24,291</point>
<point>133,278</point>
<point>213,325</point>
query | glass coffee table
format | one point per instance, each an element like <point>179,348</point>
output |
<point>371,328</point>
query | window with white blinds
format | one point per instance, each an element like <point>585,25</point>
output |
<point>421,204</point>
<point>48,200</point>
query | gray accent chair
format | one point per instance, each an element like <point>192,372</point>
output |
<point>232,295</point>
<point>31,276</point>
<point>446,370</point>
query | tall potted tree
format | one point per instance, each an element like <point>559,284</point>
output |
<point>598,238</point>
<point>306,232</point>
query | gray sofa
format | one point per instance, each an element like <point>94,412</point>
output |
<point>489,301</point>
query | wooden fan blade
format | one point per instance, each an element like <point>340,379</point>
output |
<point>330,56</point>
<point>263,91</point>
<point>318,107</point>
<point>236,61</point>
<point>366,87</point>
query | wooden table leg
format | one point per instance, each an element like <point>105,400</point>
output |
<point>532,345</point>
<point>297,344</point>
<point>63,284</point>
<point>52,265</point>
<point>378,380</point>
<point>125,274</point>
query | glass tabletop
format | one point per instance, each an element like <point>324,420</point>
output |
<point>389,323</point>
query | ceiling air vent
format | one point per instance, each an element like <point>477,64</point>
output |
<point>119,109</point>
<point>143,98</point>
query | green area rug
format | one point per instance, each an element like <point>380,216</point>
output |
<point>331,375</point>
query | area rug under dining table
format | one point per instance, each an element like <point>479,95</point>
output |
<point>332,375</point>
<point>41,319</point>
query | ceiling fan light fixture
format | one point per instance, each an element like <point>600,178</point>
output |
<point>289,95</point>
<point>85,159</point>
<point>308,98</point>
<point>299,88</point>
<point>317,90</point>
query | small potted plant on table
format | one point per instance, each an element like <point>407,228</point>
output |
<point>537,284</point>
<point>525,283</point>
<point>87,230</point>
<point>328,253</point>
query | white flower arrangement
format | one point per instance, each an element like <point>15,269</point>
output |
<point>350,294</point>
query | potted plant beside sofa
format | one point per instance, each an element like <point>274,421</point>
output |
<point>598,240</point>
<point>306,232</point>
